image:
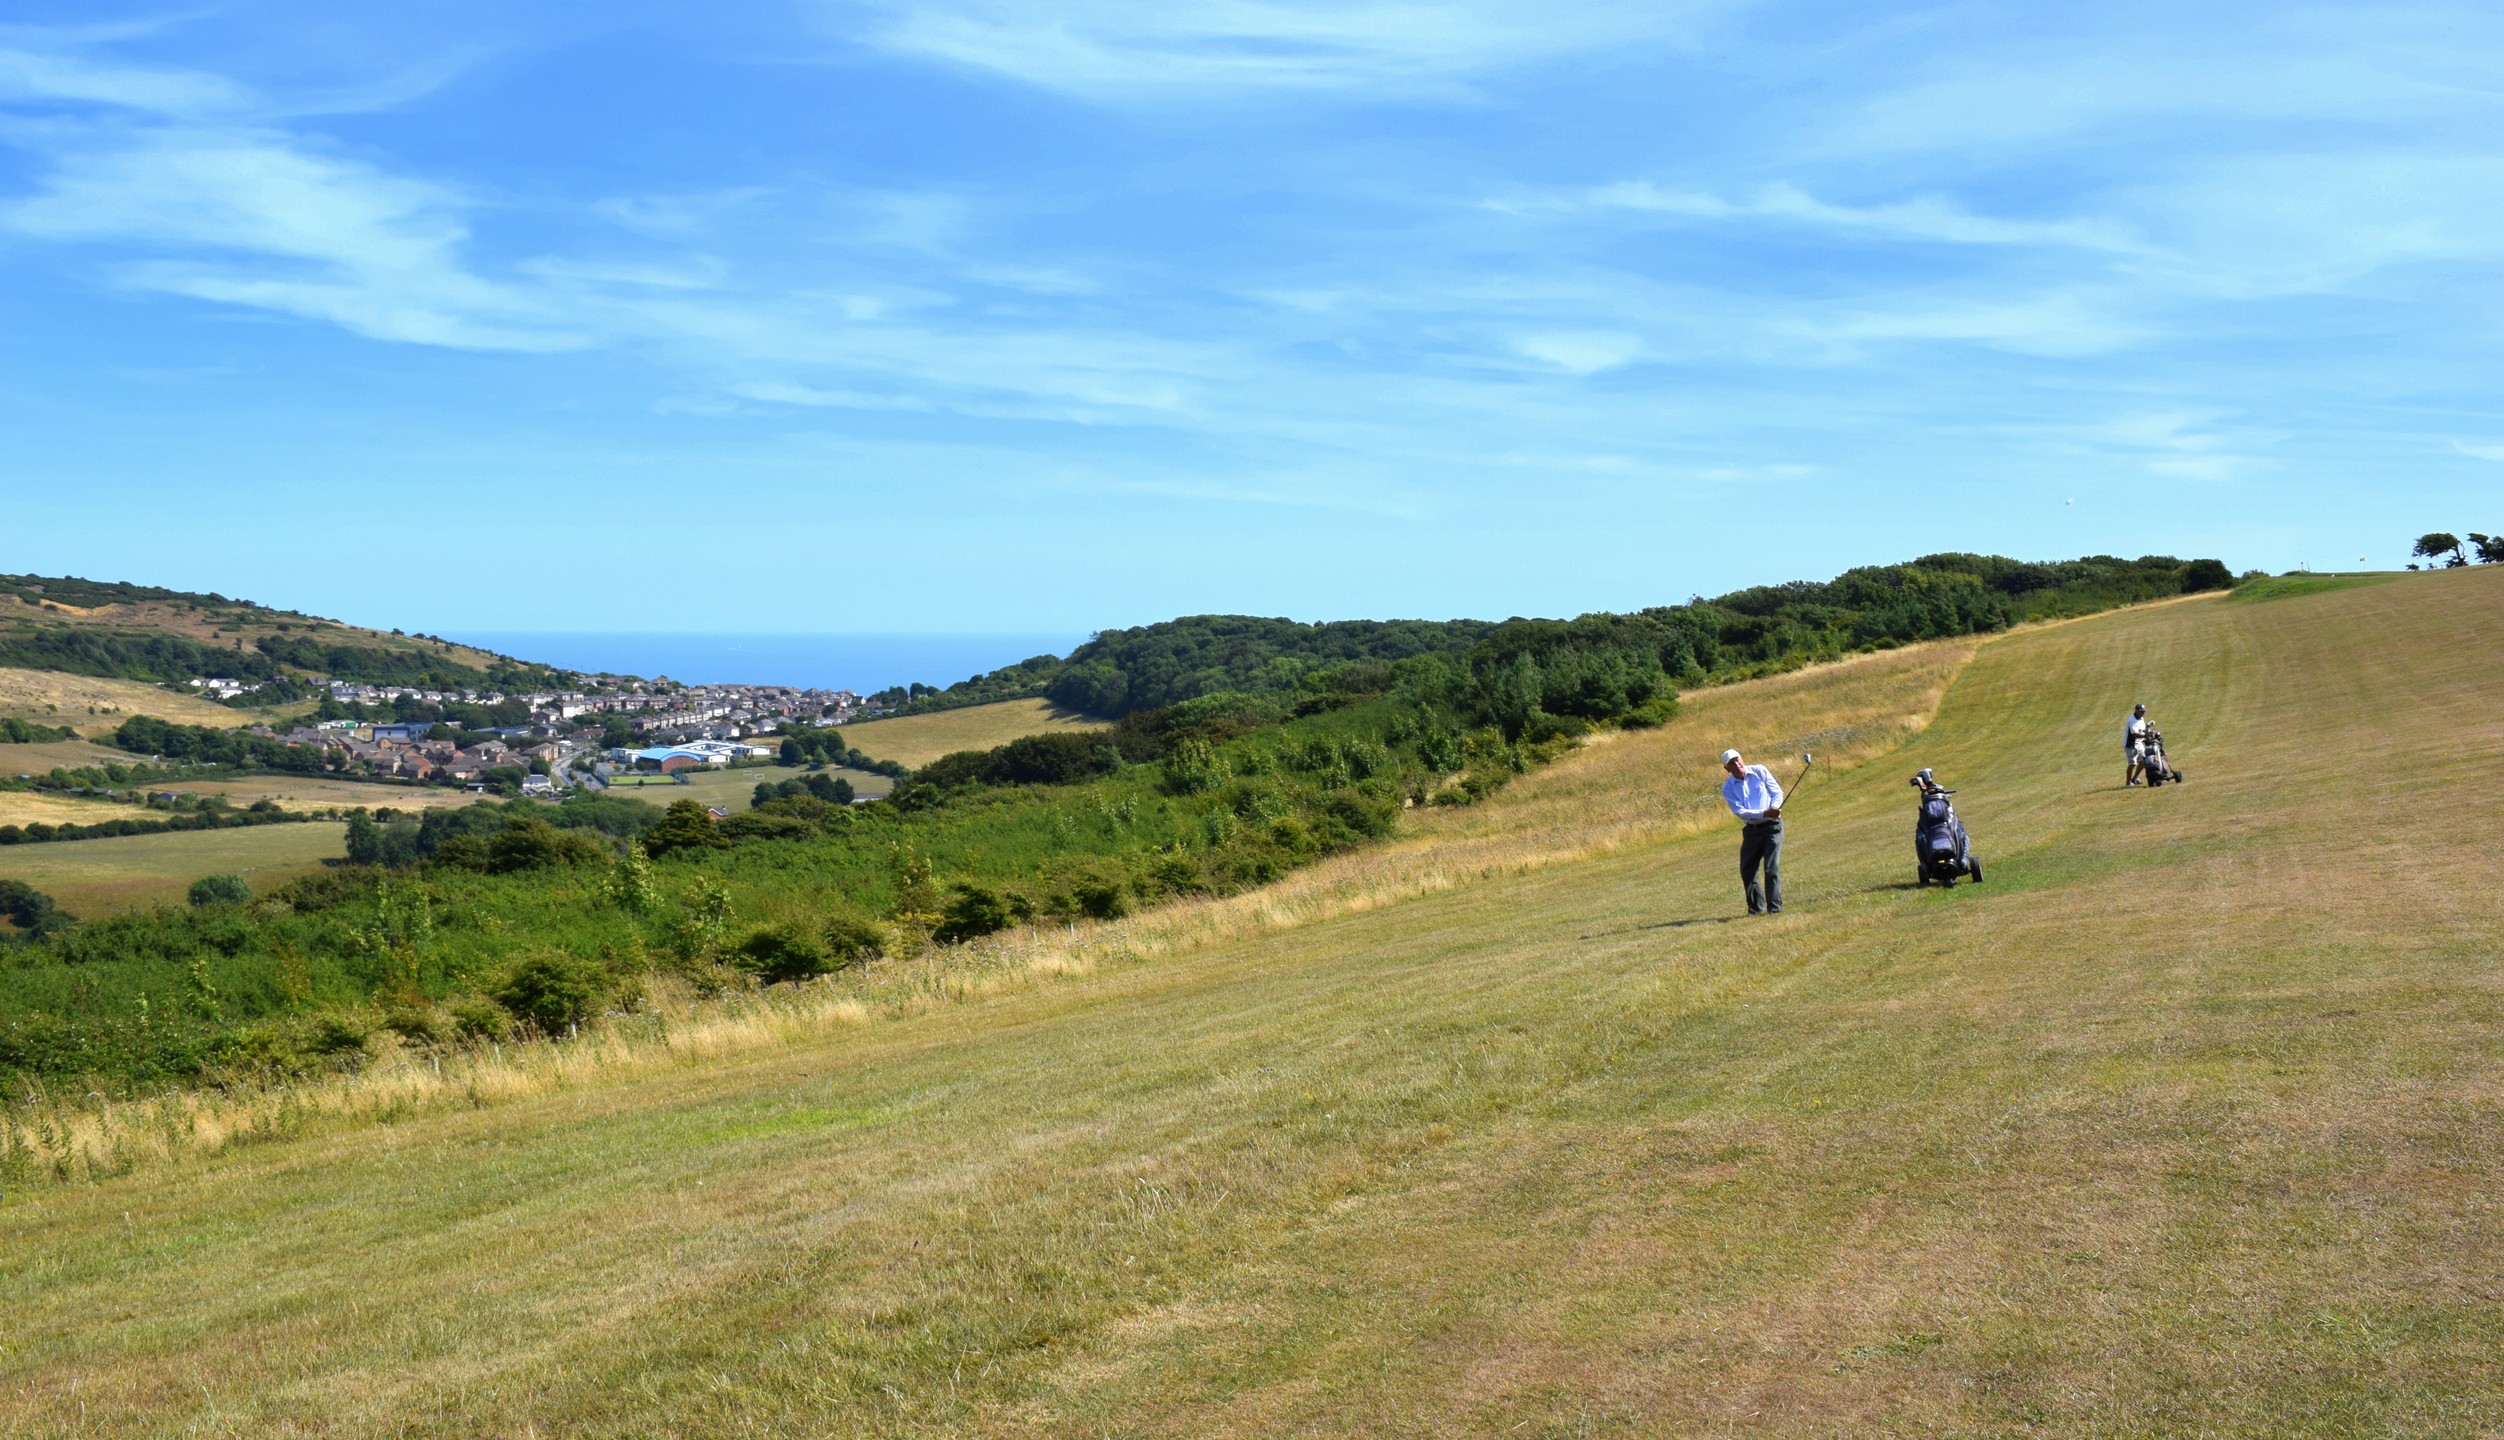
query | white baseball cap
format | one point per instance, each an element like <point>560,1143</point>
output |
<point>1729,755</point>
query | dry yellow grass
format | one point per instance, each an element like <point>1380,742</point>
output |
<point>313,792</point>
<point>2186,1123</point>
<point>95,706</point>
<point>127,872</point>
<point>53,754</point>
<point>920,739</point>
<point>26,807</point>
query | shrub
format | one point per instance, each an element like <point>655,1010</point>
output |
<point>30,910</point>
<point>779,953</point>
<point>1362,815</point>
<point>538,845</point>
<point>219,890</point>
<point>464,852</point>
<point>1100,897</point>
<point>854,939</point>
<point>337,1035</point>
<point>972,910</point>
<point>554,990</point>
<point>478,1018</point>
<point>419,1024</point>
<point>2202,575</point>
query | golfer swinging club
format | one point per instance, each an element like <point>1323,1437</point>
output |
<point>1755,797</point>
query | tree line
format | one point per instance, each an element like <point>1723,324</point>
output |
<point>1152,666</point>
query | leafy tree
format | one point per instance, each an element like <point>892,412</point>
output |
<point>219,890</point>
<point>554,990</point>
<point>2490,548</point>
<point>534,844</point>
<point>365,839</point>
<point>972,910</point>
<point>31,910</point>
<point>2202,575</point>
<point>854,939</point>
<point>687,825</point>
<point>779,953</point>
<point>2435,544</point>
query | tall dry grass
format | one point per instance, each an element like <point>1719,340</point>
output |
<point>1616,791</point>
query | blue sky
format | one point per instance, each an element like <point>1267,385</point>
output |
<point>1007,315</point>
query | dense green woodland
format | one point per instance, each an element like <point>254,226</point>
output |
<point>1119,671</point>
<point>1267,745</point>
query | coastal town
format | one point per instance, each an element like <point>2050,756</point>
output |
<point>570,738</point>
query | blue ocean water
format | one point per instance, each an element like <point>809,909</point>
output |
<point>830,662</point>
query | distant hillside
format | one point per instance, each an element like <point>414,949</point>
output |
<point>143,632</point>
<point>1152,666</point>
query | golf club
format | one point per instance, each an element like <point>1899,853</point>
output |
<point>1808,759</point>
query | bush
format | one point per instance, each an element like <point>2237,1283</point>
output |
<point>1100,897</point>
<point>554,990</point>
<point>219,890</point>
<point>854,939</point>
<point>337,1035</point>
<point>478,1018</point>
<point>2202,575</point>
<point>30,910</point>
<point>537,845</point>
<point>419,1024</point>
<point>972,910</point>
<point>686,825</point>
<point>780,953</point>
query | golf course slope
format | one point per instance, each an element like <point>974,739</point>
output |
<point>2189,1122</point>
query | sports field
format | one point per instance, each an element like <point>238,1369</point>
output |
<point>100,877</point>
<point>2189,1122</point>
<point>920,739</point>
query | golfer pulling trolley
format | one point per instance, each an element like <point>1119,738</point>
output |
<point>1755,796</point>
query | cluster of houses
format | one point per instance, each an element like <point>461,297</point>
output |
<point>663,711</point>
<point>403,752</point>
<point>678,727</point>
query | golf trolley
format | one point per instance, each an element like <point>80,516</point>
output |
<point>2149,751</point>
<point>1941,851</point>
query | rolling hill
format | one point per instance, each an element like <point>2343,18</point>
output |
<point>120,631</point>
<point>2188,1122</point>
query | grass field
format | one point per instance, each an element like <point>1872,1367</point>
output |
<point>2190,1122</point>
<point>99,877</point>
<point>53,754</point>
<point>95,707</point>
<point>733,789</point>
<point>314,792</point>
<point>25,807</point>
<point>920,739</point>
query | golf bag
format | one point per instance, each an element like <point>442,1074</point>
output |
<point>2149,751</point>
<point>1941,851</point>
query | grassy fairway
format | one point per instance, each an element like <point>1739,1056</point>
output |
<point>920,739</point>
<point>99,877</point>
<point>2188,1122</point>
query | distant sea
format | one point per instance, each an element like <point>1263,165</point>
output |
<point>828,662</point>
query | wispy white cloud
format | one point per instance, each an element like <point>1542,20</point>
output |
<point>1924,217</point>
<point>2179,445</point>
<point>1147,49</point>
<point>263,222</point>
<point>2484,450</point>
<point>1582,352</point>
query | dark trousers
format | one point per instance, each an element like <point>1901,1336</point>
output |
<point>1762,845</point>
